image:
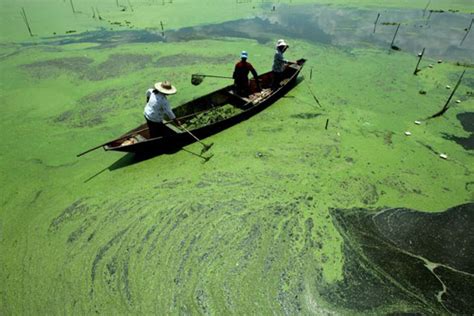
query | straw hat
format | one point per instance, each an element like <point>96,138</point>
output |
<point>281,42</point>
<point>165,87</point>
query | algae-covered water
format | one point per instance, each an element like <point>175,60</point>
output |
<point>306,208</point>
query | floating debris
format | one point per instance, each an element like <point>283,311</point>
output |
<point>444,156</point>
<point>422,92</point>
<point>407,133</point>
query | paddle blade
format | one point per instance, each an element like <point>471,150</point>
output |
<point>205,148</point>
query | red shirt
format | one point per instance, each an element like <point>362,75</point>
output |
<point>241,71</point>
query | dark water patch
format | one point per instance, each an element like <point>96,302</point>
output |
<point>126,279</point>
<point>89,117</point>
<point>467,121</point>
<point>37,195</point>
<point>82,67</point>
<point>76,234</point>
<point>77,208</point>
<point>466,142</point>
<point>49,166</point>
<point>179,60</point>
<point>305,116</point>
<point>387,138</point>
<point>344,27</point>
<point>101,253</point>
<point>93,109</point>
<point>117,65</point>
<point>402,257</point>
<point>107,38</point>
<point>201,301</point>
<point>53,67</point>
<point>101,96</point>
<point>260,29</point>
<point>367,193</point>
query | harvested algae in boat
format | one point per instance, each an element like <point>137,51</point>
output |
<point>214,115</point>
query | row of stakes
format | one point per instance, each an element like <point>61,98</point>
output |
<point>95,14</point>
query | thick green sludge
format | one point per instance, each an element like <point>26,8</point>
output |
<point>252,231</point>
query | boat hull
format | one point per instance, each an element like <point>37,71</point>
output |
<point>178,140</point>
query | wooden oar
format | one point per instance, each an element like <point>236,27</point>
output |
<point>205,146</point>
<point>196,79</point>
<point>206,159</point>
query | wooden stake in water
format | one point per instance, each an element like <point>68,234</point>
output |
<point>311,73</point>
<point>26,21</point>
<point>467,32</point>
<point>426,8</point>
<point>93,13</point>
<point>429,17</point>
<point>162,29</point>
<point>98,13</point>
<point>327,122</point>
<point>446,105</point>
<point>394,36</point>
<point>419,60</point>
<point>116,1</point>
<point>130,5</point>
<point>72,6</point>
<point>376,20</point>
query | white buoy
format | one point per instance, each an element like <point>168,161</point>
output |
<point>417,122</point>
<point>444,156</point>
<point>407,133</point>
<point>448,87</point>
<point>458,101</point>
<point>430,65</point>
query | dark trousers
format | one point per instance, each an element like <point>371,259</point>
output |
<point>277,78</point>
<point>242,87</point>
<point>157,129</point>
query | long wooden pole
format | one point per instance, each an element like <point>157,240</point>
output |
<point>26,21</point>
<point>427,5</point>
<point>467,32</point>
<point>130,5</point>
<point>72,6</point>
<point>446,105</point>
<point>205,146</point>
<point>314,97</point>
<point>395,35</point>
<point>418,63</point>
<point>376,20</point>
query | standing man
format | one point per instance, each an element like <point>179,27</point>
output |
<point>279,63</point>
<point>241,72</point>
<point>157,106</point>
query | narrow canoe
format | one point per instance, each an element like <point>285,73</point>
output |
<point>208,115</point>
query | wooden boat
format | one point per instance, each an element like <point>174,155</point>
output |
<point>225,100</point>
